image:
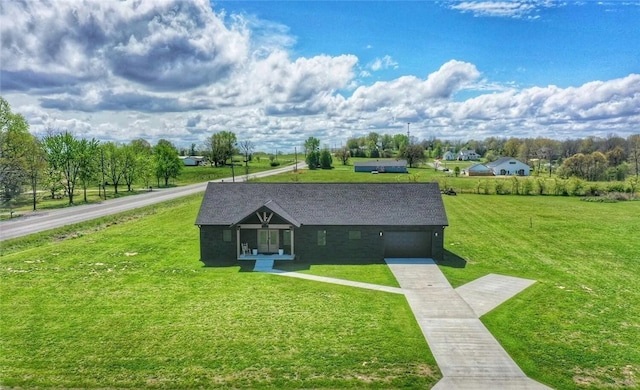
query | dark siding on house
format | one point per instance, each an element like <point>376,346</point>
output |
<point>339,249</point>
<point>213,250</point>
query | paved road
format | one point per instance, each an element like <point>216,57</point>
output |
<point>49,219</point>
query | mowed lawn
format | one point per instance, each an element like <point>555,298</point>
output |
<point>129,305</point>
<point>579,325</point>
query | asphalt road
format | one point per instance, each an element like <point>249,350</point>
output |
<point>39,221</point>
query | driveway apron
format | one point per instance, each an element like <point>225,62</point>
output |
<point>468,355</point>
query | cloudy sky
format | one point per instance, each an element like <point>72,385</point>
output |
<point>276,73</point>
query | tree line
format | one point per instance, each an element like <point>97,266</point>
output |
<point>591,158</point>
<point>61,162</point>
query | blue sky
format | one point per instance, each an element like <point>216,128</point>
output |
<point>279,72</point>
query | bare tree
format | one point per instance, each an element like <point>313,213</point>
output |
<point>247,149</point>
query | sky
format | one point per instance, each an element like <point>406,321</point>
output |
<point>278,72</point>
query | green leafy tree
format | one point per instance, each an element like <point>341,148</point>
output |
<point>221,146</point>
<point>400,141</point>
<point>168,164</point>
<point>130,165</point>
<point>311,145</point>
<point>63,152</point>
<point>414,154</point>
<point>313,160</point>
<point>89,155</point>
<point>113,164</point>
<point>325,159</point>
<point>312,152</point>
<point>14,148</point>
<point>633,143</point>
<point>143,161</point>
<point>36,163</point>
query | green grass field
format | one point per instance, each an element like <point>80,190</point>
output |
<point>124,302</point>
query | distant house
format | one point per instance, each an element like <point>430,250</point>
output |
<point>381,166</point>
<point>509,166</point>
<point>449,156</point>
<point>320,222</point>
<point>192,161</point>
<point>479,170</point>
<point>468,155</point>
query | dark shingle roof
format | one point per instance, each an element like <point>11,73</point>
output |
<point>397,204</point>
<point>381,163</point>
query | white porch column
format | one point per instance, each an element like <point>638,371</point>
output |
<point>292,241</point>
<point>237,243</point>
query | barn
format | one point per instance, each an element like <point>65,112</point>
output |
<point>381,166</point>
<point>320,222</point>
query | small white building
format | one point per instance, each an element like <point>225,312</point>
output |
<point>506,166</point>
<point>192,161</point>
<point>448,156</point>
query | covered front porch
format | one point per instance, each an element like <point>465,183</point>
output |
<point>266,235</point>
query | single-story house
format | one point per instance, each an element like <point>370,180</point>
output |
<point>509,166</point>
<point>479,170</point>
<point>320,222</point>
<point>381,166</point>
<point>449,156</point>
<point>192,161</point>
<point>468,154</point>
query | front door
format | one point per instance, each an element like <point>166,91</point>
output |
<point>268,241</point>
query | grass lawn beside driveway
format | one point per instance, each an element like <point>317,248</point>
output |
<point>130,306</point>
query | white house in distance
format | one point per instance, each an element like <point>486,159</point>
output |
<point>509,166</point>
<point>448,156</point>
<point>467,155</point>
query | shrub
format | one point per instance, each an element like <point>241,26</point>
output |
<point>560,187</point>
<point>499,187</point>
<point>527,187</point>
<point>541,186</point>
<point>592,189</point>
<point>515,186</point>
<point>616,187</point>
<point>274,163</point>
<point>575,186</point>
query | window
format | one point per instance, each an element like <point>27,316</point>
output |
<point>354,234</point>
<point>322,237</point>
<point>286,238</point>
<point>226,235</point>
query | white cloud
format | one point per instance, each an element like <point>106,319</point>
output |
<point>178,70</point>
<point>510,9</point>
<point>385,62</point>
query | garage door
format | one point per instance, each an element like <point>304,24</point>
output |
<point>407,244</point>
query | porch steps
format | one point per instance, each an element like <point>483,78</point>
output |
<point>263,265</point>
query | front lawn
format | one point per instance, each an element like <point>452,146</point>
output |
<point>130,306</point>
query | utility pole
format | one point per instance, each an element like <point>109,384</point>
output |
<point>295,151</point>
<point>104,191</point>
<point>408,134</point>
